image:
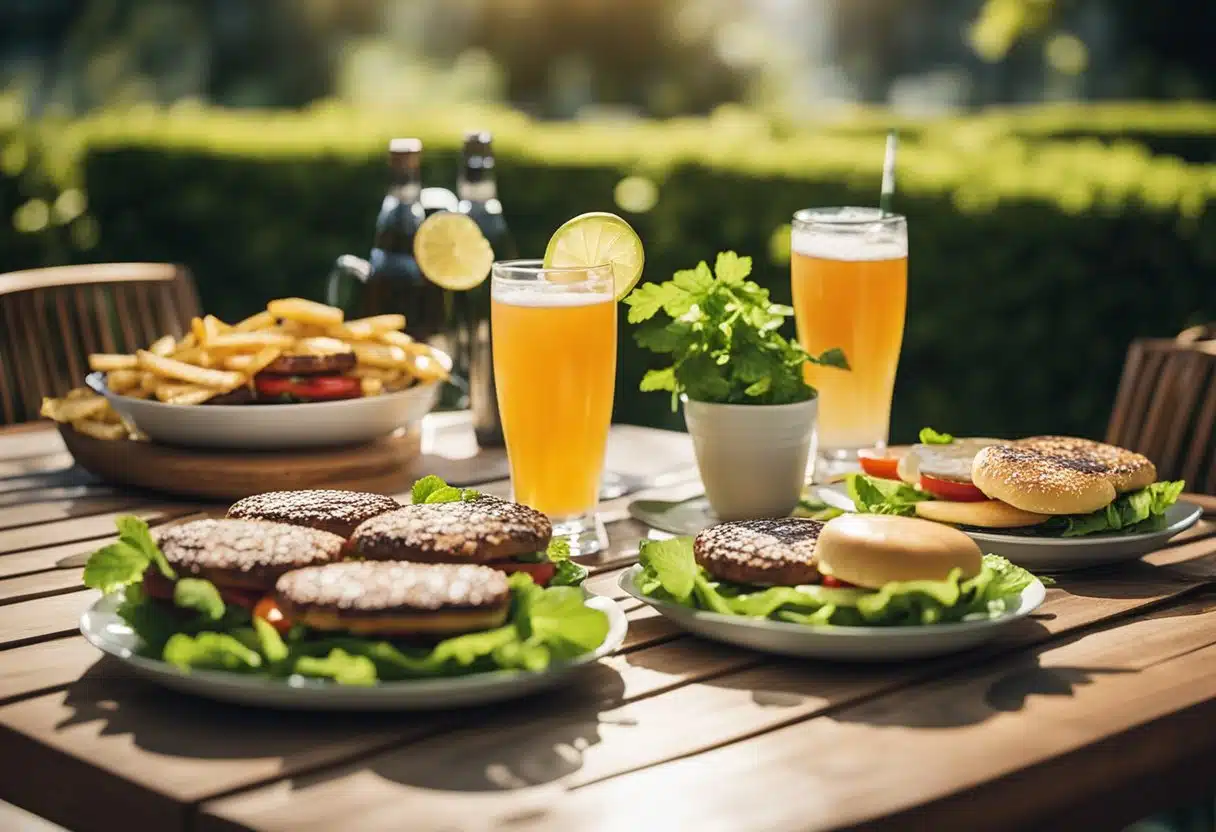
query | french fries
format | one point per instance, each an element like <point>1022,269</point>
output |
<point>365,328</point>
<point>163,346</point>
<point>122,381</point>
<point>214,358</point>
<point>223,380</point>
<point>241,341</point>
<point>305,312</point>
<point>108,431</point>
<point>106,362</point>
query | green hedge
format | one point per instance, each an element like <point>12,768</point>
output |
<point>1033,263</point>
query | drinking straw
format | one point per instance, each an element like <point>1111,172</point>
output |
<point>888,176</point>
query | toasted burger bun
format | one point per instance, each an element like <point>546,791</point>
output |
<point>871,550</point>
<point>474,531</point>
<point>768,552</point>
<point>339,512</point>
<point>1128,470</point>
<point>1042,483</point>
<point>991,514</point>
<point>244,554</point>
<point>394,598</point>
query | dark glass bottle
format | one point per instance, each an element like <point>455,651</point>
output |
<point>478,194</point>
<point>390,279</point>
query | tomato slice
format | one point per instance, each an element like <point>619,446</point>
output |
<point>541,573</point>
<point>959,492</point>
<point>269,611</point>
<point>308,388</point>
<point>836,583</point>
<point>882,464</point>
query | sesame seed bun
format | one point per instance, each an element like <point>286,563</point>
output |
<point>339,512</point>
<point>1128,470</point>
<point>764,552</point>
<point>871,550</point>
<point>1042,483</point>
<point>244,554</point>
<point>988,514</point>
<point>469,531</point>
<point>394,598</point>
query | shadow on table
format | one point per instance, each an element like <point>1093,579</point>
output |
<point>1136,579</point>
<point>512,745</point>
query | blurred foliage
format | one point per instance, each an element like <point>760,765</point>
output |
<point>1034,261</point>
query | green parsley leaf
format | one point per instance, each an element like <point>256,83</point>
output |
<point>447,494</point>
<point>928,436</point>
<point>115,566</point>
<point>424,487</point>
<point>721,332</point>
<point>200,595</point>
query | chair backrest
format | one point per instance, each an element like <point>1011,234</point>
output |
<point>1166,406</point>
<point>52,319</point>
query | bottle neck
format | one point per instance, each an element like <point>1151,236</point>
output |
<point>480,190</point>
<point>407,192</point>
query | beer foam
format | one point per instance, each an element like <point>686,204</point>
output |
<point>877,245</point>
<point>535,297</point>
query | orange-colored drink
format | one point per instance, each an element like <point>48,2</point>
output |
<point>555,367</point>
<point>850,290</point>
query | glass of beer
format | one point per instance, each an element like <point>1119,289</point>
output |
<point>554,346</point>
<point>849,273</point>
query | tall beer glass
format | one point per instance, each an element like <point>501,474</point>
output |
<point>554,344</point>
<point>849,270</point>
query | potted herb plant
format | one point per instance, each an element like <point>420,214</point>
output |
<point>748,407</point>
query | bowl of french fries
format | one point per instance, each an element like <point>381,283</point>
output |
<point>295,375</point>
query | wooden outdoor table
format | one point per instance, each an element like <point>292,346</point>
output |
<point>1098,711</point>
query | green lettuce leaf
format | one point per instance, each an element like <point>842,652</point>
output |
<point>569,573</point>
<point>270,643</point>
<point>559,618</point>
<point>668,565</point>
<point>134,532</point>
<point>993,592</point>
<point>1135,511</point>
<point>873,495</point>
<point>115,566</point>
<point>340,666</point>
<point>199,595</point>
<point>210,651</point>
<point>153,622</point>
<point>928,436</point>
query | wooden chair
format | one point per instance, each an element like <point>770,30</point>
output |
<point>51,319</point>
<point>1166,406</point>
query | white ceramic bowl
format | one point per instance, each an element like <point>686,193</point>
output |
<point>274,426</point>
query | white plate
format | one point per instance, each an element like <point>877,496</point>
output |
<point>1062,554</point>
<point>275,426</point>
<point>107,632</point>
<point>852,644</point>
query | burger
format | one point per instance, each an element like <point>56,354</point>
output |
<point>273,599</point>
<point>241,559</point>
<point>313,370</point>
<point>474,529</point>
<point>1046,485</point>
<point>854,570</point>
<point>339,512</point>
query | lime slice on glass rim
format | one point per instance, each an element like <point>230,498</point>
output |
<point>595,239</point>
<point>452,252</point>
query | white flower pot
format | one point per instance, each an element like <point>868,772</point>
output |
<point>752,458</point>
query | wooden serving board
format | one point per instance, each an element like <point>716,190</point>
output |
<point>384,466</point>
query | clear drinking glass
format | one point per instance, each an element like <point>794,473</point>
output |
<point>849,274</point>
<point>554,345</point>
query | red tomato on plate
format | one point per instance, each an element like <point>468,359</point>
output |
<point>882,464</point>
<point>268,610</point>
<point>541,573</point>
<point>958,492</point>
<point>308,388</point>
